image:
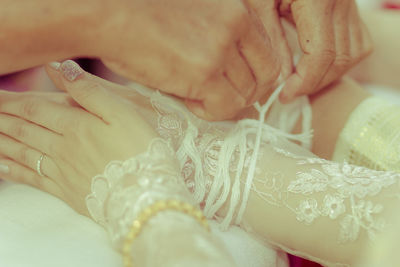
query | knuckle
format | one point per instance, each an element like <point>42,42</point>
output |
<point>37,182</point>
<point>89,90</point>
<point>343,61</point>
<point>60,125</point>
<point>23,155</point>
<point>326,55</point>
<point>29,108</point>
<point>18,130</point>
<point>66,125</point>
<point>71,127</point>
<point>53,149</point>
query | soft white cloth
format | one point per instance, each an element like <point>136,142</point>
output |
<point>37,229</point>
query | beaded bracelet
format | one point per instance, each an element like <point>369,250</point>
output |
<point>151,211</point>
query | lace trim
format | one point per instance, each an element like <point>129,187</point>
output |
<point>126,188</point>
<point>207,150</point>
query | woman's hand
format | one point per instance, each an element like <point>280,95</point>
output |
<point>77,138</point>
<point>333,39</point>
<point>213,54</point>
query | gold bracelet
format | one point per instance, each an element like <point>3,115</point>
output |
<point>151,211</point>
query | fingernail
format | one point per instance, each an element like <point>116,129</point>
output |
<point>4,168</point>
<point>71,70</point>
<point>55,65</point>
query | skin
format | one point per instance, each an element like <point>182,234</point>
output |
<point>79,118</point>
<point>222,62</point>
<point>61,134</point>
<point>235,53</point>
<point>333,39</point>
<point>79,136</point>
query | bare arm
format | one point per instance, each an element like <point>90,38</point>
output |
<point>35,32</point>
<point>331,109</point>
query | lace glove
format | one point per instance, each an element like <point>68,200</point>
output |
<point>204,149</point>
<point>170,238</point>
<point>318,209</point>
<point>371,136</point>
<point>248,173</point>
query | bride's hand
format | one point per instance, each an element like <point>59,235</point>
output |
<point>77,140</point>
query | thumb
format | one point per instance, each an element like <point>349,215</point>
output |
<point>88,92</point>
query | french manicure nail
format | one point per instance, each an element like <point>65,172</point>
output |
<point>71,70</point>
<point>55,65</point>
<point>4,168</point>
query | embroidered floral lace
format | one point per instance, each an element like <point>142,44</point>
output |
<point>126,188</point>
<point>249,174</point>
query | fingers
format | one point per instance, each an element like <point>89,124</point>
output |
<point>353,42</point>
<point>15,172</point>
<point>361,44</point>
<point>238,73</point>
<point>332,44</point>
<point>27,156</point>
<point>28,133</point>
<point>263,62</point>
<point>53,68</point>
<point>88,92</point>
<point>48,114</point>
<point>221,103</point>
<point>267,12</point>
<point>313,20</point>
<point>343,58</point>
<point>251,72</point>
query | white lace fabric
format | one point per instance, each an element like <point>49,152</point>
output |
<point>338,208</point>
<point>249,174</point>
<point>126,188</point>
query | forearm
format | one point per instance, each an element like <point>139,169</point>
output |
<point>331,109</point>
<point>323,210</point>
<point>36,32</point>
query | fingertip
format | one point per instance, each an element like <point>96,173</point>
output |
<point>70,70</point>
<point>197,108</point>
<point>291,89</point>
<point>285,98</point>
<point>53,71</point>
<point>54,65</point>
<point>4,168</point>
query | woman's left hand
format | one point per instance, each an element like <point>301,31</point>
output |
<point>76,140</point>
